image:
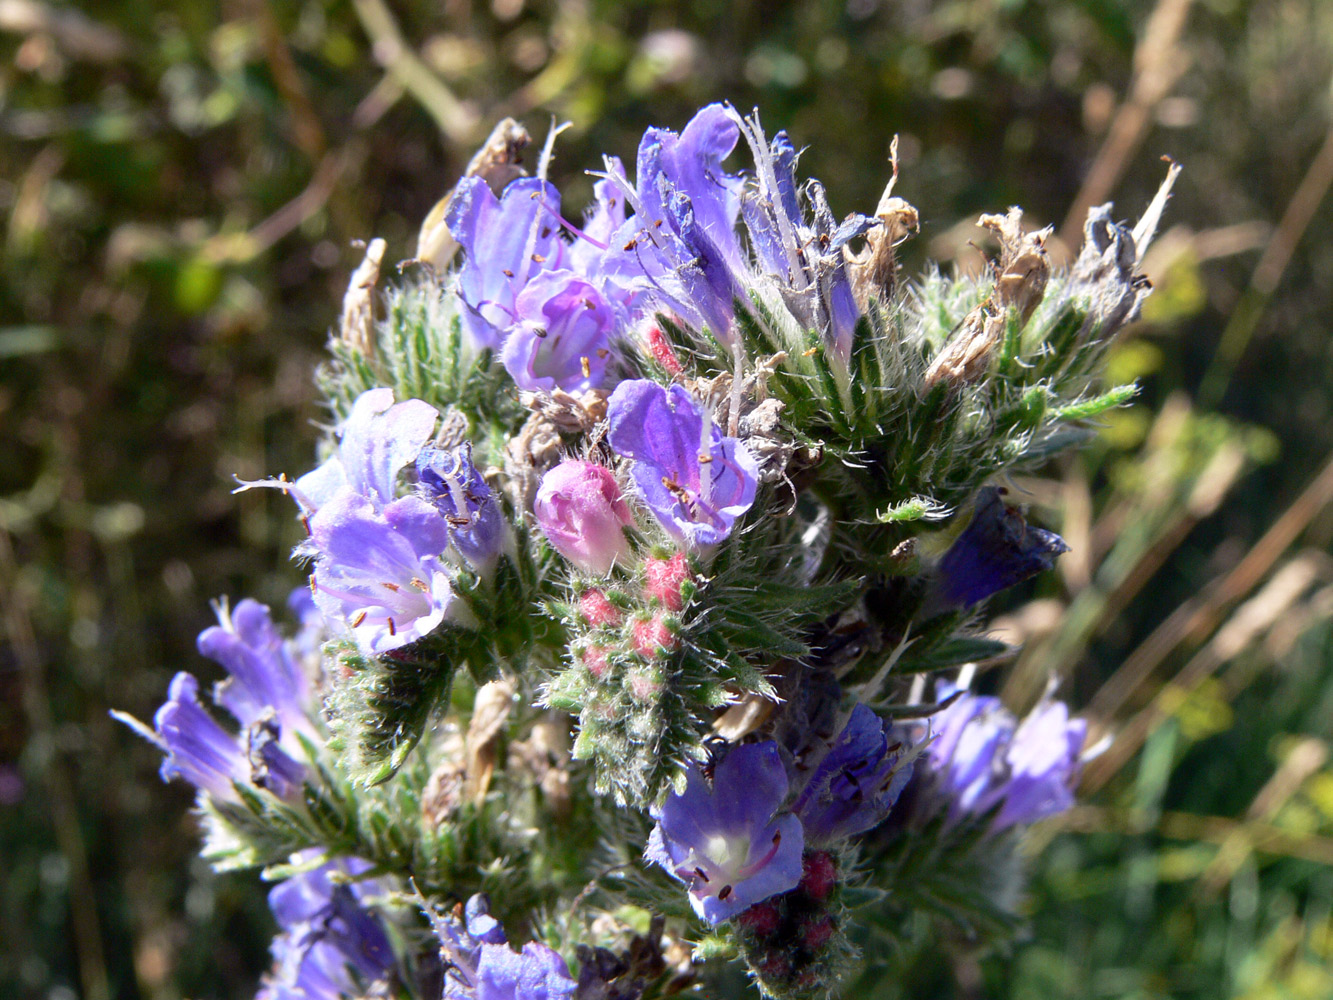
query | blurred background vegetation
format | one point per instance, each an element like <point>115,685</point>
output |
<point>181,188</point>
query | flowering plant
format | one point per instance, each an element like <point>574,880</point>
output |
<point>635,543</point>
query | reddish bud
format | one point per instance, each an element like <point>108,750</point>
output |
<point>815,932</point>
<point>594,658</point>
<point>762,919</point>
<point>644,687</point>
<point>775,966</point>
<point>652,634</point>
<point>662,578</point>
<point>661,350</point>
<point>597,610</point>
<point>818,874</point>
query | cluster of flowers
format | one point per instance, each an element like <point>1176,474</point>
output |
<point>401,525</point>
<point>740,838</point>
<point>553,310</point>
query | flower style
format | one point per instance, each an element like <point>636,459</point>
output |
<point>452,483</point>
<point>507,242</point>
<point>378,438</point>
<point>562,335</point>
<point>982,757</point>
<point>379,572</point>
<point>997,550</point>
<point>693,478</point>
<point>727,841</point>
<point>329,938</point>
<point>582,513</point>
<point>856,784</point>
<point>482,966</point>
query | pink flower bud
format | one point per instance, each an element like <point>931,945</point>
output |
<point>819,874</point>
<point>660,349</point>
<point>597,610</point>
<point>762,919</point>
<point>815,932</point>
<point>581,511</point>
<point>662,578</point>
<point>650,635</point>
<point>594,658</point>
<point>645,687</point>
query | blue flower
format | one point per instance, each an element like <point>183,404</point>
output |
<point>452,483</point>
<point>681,242</point>
<point>376,441</point>
<point>727,841</point>
<point>507,241</point>
<point>197,748</point>
<point>856,784</point>
<point>266,680</point>
<point>482,966</point>
<point>982,758</point>
<point>562,337</point>
<point>266,692</point>
<point>379,572</point>
<point>997,550</point>
<point>693,478</point>
<point>329,938</point>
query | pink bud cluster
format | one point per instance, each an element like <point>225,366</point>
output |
<point>631,632</point>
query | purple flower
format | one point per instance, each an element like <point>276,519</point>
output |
<point>995,551</point>
<point>267,692</point>
<point>507,242</point>
<point>482,966</point>
<point>266,681</point>
<point>983,758</point>
<point>197,748</point>
<point>378,438</point>
<point>682,238</point>
<point>856,784</point>
<point>378,572</point>
<point>452,483</point>
<point>727,841</point>
<point>562,336</point>
<point>329,938</point>
<point>582,513</point>
<point>693,478</point>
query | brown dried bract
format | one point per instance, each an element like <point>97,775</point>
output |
<point>570,412</point>
<point>357,327</point>
<point>874,271</point>
<point>1021,275</point>
<point>966,356</point>
<point>545,755</point>
<point>1024,266</point>
<point>490,712</point>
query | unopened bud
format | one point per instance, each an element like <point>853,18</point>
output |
<point>581,511</point>
<point>663,578</point>
<point>597,610</point>
<point>652,634</point>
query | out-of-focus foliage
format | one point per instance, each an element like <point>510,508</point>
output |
<point>181,186</point>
